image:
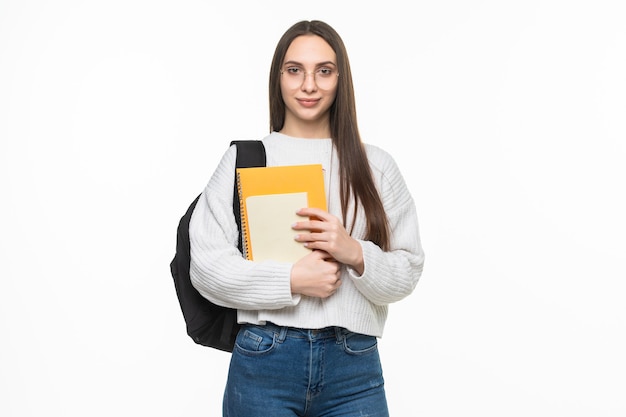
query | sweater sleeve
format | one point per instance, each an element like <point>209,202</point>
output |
<point>217,270</point>
<point>391,276</point>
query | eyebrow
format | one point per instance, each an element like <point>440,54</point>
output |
<point>319,64</point>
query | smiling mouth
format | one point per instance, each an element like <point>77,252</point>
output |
<point>308,102</point>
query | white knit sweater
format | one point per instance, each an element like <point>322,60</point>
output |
<point>261,290</point>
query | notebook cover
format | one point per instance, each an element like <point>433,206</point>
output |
<point>269,198</point>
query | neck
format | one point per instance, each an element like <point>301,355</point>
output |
<point>307,130</point>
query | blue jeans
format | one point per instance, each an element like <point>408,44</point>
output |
<point>288,372</point>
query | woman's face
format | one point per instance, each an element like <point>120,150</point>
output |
<point>309,85</point>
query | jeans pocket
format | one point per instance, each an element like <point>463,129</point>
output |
<point>254,340</point>
<point>359,344</point>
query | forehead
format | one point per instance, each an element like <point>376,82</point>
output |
<point>309,49</point>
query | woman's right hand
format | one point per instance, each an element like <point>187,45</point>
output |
<point>316,275</point>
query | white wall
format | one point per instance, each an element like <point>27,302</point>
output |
<point>113,116</point>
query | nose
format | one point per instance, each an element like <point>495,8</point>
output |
<point>308,83</point>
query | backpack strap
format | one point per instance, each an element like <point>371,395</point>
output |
<point>250,153</point>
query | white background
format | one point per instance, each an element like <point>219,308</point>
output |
<point>507,118</point>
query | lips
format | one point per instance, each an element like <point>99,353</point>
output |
<point>308,102</point>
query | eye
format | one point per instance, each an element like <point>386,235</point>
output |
<point>325,71</point>
<point>293,70</point>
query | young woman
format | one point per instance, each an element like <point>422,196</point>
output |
<point>308,344</point>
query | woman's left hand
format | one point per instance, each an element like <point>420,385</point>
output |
<point>328,234</point>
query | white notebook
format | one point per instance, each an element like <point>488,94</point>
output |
<point>270,218</point>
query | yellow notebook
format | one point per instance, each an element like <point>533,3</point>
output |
<point>269,198</point>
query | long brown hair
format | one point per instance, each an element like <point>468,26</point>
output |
<point>356,180</point>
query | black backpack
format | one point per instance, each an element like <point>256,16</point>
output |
<point>209,324</point>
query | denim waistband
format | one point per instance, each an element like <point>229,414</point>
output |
<point>284,332</point>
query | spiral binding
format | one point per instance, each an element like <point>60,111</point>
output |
<point>244,222</point>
